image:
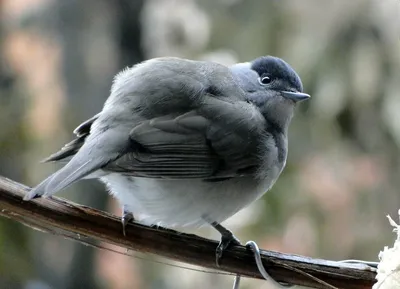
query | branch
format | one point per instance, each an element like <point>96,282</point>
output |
<point>76,222</point>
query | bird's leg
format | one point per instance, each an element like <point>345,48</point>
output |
<point>227,239</point>
<point>127,216</point>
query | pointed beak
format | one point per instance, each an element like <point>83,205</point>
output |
<point>295,96</point>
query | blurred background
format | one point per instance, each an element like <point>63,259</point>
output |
<point>57,61</point>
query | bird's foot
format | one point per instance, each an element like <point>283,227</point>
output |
<point>227,239</point>
<point>225,242</point>
<point>127,217</point>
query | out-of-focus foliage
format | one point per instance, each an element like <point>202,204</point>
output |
<point>57,59</point>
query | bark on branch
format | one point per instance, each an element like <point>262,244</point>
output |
<point>76,222</point>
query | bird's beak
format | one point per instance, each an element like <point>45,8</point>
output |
<point>295,96</point>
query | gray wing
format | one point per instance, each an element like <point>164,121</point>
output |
<point>210,143</point>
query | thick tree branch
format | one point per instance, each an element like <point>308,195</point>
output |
<point>77,222</point>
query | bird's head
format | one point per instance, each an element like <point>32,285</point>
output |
<point>273,86</point>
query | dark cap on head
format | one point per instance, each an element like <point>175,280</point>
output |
<point>276,68</point>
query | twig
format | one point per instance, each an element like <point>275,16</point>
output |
<point>78,222</point>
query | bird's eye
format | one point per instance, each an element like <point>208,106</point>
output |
<point>264,79</point>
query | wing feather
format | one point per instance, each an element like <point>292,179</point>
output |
<point>190,145</point>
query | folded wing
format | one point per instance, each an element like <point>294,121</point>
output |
<point>206,145</point>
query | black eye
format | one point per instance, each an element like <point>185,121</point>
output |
<point>265,79</point>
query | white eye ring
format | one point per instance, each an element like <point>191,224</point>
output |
<point>264,80</point>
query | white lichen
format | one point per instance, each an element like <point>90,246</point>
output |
<point>389,266</point>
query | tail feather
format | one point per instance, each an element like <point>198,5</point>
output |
<point>91,156</point>
<point>68,151</point>
<point>69,174</point>
<point>71,148</point>
<point>75,170</point>
<point>39,190</point>
<point>65,155</point>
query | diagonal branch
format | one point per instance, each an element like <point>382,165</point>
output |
<point>78,222</point>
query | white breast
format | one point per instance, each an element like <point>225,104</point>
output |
<point>178,203</point>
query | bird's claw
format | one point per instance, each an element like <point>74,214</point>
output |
<point>125,219</point>
<point>226,241</point>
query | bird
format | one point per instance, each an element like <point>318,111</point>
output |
<point>185,143</point>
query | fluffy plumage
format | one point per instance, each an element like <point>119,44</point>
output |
<point>185,142</point>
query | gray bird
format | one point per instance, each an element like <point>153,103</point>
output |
<point>185,143</point>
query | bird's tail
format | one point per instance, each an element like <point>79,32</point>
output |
<point>83,156</point>
<point>70,149</point>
